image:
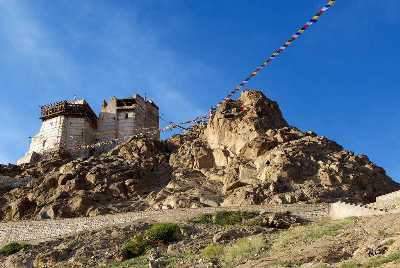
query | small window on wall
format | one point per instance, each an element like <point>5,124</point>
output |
<point>126,116</point>
<point>44,143</point>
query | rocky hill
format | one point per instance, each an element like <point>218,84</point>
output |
<point>247,154</point>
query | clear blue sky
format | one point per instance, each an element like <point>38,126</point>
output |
<point>341,79</point>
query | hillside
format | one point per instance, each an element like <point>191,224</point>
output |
<point>247,154</point>
<point>259,239</point>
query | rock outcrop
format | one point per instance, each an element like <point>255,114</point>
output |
<point>112,182</point>
<point>248,147</point>
<point>246,154</point>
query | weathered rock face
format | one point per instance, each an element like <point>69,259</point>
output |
<point>246,154</point>
<point>235,123</point>
<point>248,148</point>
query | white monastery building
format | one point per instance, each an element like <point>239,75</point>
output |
<point>67,125</point>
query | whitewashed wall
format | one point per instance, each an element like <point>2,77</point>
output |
<point>62,132</point>
<point>49,136</point>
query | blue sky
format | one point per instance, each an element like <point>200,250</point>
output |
<point>340,79</point>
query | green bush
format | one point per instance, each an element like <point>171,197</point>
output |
<point>225,217</point>
<point>232,217</point>
<point>157,233</point>
<point>163,232</point>
<point>213,252</point>
<point>135,247</point>
<point>13,248</point>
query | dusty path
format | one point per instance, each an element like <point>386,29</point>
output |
<point>39,231</point>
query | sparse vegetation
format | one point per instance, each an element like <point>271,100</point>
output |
<point>378,261</point>
<point>373,262</point>
<point>309,233</point>
<point>213,252</point>
<point>225,217</point>
<point>12,248</point>
<point>137,262</point>
<point>178,260</point>
<point>245,248</point>
<point>350,264</point>
<point>321,265</point>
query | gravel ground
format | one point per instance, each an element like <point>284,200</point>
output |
<point>40,231</point>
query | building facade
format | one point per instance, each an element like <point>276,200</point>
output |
<point>67,125</point>
<point>120,118</point>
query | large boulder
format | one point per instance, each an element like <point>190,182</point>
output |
<point>235,123</point>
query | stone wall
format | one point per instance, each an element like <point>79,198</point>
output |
<point>77,131</point>
<point>389,197</point>
<point>118,120</point>
<point>341,210</point>
<point>107,121</point>
<point>390,201</point>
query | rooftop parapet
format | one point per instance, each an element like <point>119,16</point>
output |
<point>128,103</point>
<point>75,108</point>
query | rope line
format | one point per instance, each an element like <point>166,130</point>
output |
<point>269,60</point>
<point>240,87</point>
<point>281,49</point>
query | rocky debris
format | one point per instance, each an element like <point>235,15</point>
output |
<point>247,154</point>
<point>29,158</point>
<point>9,183</point>
<point>283,220</point>
<point>228,235</point>
<point>108,183</point>
<point>188,188</point>
<point>83,250</point>
<point>10,170</point>
<point>154,258</point>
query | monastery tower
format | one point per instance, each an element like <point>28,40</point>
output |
<point>67,125</point>
<point>120,118</point>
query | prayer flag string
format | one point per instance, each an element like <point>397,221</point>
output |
<point>281,49</point>
<point>239,87</point>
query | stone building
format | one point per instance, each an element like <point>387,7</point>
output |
<point>67,125</point>
<point>121,118</point>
